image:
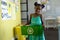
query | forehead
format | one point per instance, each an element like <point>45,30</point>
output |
<point>37,6</point>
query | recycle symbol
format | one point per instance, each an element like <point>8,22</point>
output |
<point>30,30</point>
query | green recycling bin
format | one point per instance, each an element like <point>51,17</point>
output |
<point>32,30</point>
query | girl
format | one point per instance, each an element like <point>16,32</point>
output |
<point>36,19</point>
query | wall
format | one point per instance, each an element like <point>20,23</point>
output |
<point>6,26</point>
<point>55,7</point>
<point>31,7</point>
<point>54,4</point>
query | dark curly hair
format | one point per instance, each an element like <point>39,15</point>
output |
<point>37,4</point>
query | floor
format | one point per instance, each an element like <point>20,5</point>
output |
<point>59,32</point>
<point>50,33</point>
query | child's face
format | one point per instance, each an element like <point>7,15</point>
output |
<point>38,8</point>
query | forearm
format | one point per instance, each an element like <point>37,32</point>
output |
<point>28,22</point>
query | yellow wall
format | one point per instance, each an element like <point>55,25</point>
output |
<point>6,26</point>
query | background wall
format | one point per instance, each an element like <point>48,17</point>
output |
<point>31,7</point>
<point>54,10</point>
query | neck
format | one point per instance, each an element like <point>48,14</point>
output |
<point>37,13</point>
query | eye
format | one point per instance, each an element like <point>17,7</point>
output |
<point>38,8</point>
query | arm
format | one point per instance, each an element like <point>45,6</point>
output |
<point>43,23</point>
<point>29,21</point>
<point>42,20</point>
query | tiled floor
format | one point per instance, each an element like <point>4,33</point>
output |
<point>51,34</point>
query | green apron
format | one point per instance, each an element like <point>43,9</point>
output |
<point>36,21</point>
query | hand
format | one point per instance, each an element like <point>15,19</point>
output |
<point>27,24</point>
<point>45,28</point>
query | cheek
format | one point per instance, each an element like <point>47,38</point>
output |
<point>40,8</point>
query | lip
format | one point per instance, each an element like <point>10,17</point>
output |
<point>38,10</point>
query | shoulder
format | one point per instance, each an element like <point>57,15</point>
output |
<point>40,15</point>
<point>31,14</point>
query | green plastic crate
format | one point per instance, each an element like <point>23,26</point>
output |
<point>32,30</point>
